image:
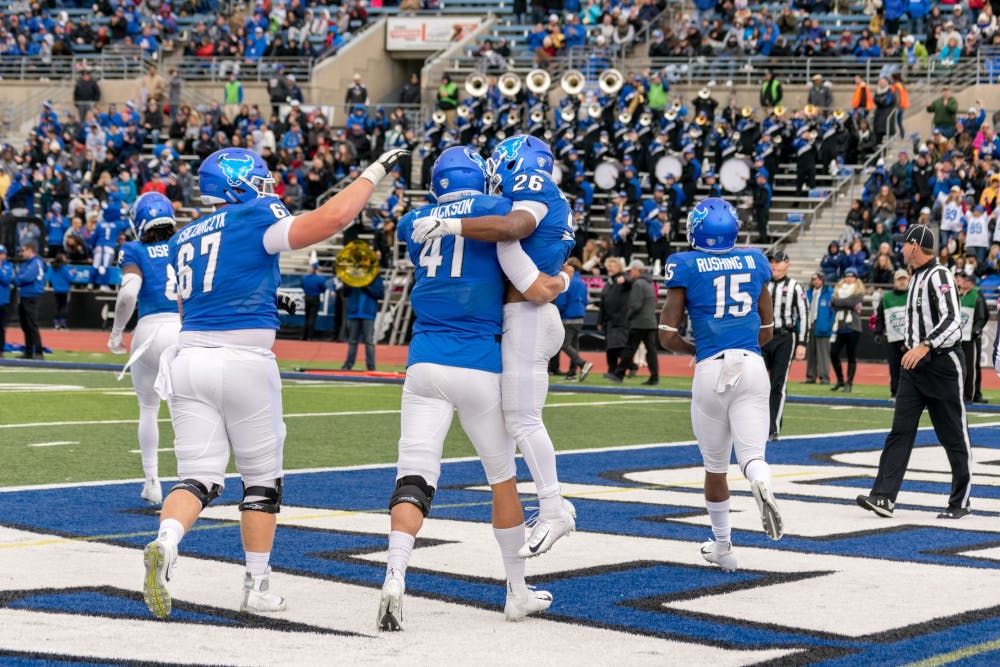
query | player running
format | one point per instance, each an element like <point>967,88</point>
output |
<point>148,281</point>
<point>454,363</point>
<point>725,293</point>
<point>537,238</point>
<point>222,380</point>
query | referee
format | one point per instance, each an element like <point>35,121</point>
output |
<point>931,377</point>
<point>790,320</point>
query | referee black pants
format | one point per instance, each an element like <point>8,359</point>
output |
<point>777,355</point>
<point>936,384</point>
<point>972,349</point>
<point>27,315</point>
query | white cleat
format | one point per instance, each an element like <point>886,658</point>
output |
<point>257,597</point>
<point>769,514</point>
<point>520,606</point>
<point>390,608</point>
<point>547,531</point>
<point>151,491</point>
<point>159,559</point>
<point>719,553</point>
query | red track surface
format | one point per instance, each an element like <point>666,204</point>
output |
<point>332,354</point>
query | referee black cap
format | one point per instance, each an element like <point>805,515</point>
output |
<point>919,234</point>
<point>779,256</point>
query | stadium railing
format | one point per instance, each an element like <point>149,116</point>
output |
<point>218,69</point>
<point>111,64</point>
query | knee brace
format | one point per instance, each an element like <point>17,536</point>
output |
<point>199,490</point>
<point>413,489</point>
<point>262,498</point>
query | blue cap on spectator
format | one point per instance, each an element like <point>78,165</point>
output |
<point>763,173</point>
<point>850,271</point>
<point>579,205</point>
<point>659,187</point>
<point>622,193</point>
<point>315,265</point>
<point>708,174</point>
<point>399,183</point>
<point>657,34</point>
<point>979,208</point>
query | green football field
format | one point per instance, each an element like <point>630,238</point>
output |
<point>73,426</point>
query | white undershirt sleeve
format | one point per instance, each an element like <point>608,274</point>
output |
<point>276,236</point>
<point>128,293</point>
<point>516,264</point>
<point>537,209</point>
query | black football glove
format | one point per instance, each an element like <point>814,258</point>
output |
<point>286,303</point>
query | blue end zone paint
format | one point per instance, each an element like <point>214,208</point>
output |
<point>627,596</point>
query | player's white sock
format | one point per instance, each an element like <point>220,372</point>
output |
<point>718,514</point>
<point>171,532</point>
<point>149,441</point>
<point>758,470</point>
<point>511,540</point>
<point>257,562</point>
<point>400,548</point>
<point>540,455</point>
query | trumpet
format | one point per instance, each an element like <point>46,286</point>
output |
<point>594,110</point>
<point>746,112</point>
<point>568,114</point>
<point>463,111</point>
<point>476,85</point>
<point>439,117</point>
<point>488,117</point>
<point>809,110</point>
<point>779,110</point>
<point>572,82</point>
<point>646,119</point>
<point>610,81</point>
<point>513,118</point>
<point>509,84</point>
<point>839,114</point>
<point>538,81</point>
<point>671,115</point>
<point>625,118</point>
<point>537,117</point>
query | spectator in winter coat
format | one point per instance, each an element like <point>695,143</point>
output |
<point>832,264</point>
<point>818,297</point>
<point>572,305</point>
<point>614,312</point>
<point>362,306</point>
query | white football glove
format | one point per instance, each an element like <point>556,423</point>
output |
<point>116,344</point>
<point>377,170</point>
<point>426,229</point>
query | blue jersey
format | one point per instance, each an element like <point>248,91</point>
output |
<point>721,293</point>
<point>159,281</point>
<point>226,280</point>
<point>552,241</point>
<point>106,233</point>
<point>458,295</point>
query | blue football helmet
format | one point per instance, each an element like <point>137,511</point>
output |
<point>516,154</point>
<point>148,211</point>
<point>234,176</point>
<point>457,172</point>
<point>712,226</point>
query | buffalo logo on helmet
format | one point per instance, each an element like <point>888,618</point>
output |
<point>508,150</point>
<point>475,157</point>
<point>235,168</point>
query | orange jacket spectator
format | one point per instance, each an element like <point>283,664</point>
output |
<point>862,98</point>
<point>902,97</point>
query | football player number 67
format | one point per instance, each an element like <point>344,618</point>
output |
<point>185,274</point>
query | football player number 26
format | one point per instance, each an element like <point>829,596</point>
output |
<point>732,284</point>
<point>185,255</point>
<point>431,259</point>
<point>533,182</point>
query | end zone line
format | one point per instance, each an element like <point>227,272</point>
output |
<point>958,654</point>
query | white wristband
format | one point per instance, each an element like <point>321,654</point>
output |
<point>565,277</point>
<point>666,327</point>
<point>374,173</point>
<point>453,225</point>
<point>767,326</point>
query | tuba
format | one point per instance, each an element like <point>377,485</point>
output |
<point>537,117</point>
<point>488,118</point>
<point>357,264</point>
<point>810,110</point>
<point>779,111</point>
<point>610,81</point>
<point>509,84</point>
<point>572,82</point>
<point>595,110</point>
<point>475,84</point>
<point>439,117</point>
<point>464,111</point>
<point>538,81</point>
<point>646,118</point>
<point>625,117</point>
<point>568,114</point>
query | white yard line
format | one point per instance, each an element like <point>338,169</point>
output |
<point>57,443</point>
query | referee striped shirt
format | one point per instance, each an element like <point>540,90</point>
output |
<point>789,306</point>
<point>932,313</point>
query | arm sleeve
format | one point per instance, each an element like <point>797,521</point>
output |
<point>276,236</point>
<point>125,305</point>
<point>537,209</point>
<point>516,265</point>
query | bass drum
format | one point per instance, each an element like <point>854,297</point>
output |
<point>734,175</point>
<point>667,165</point>
<point>606,175</point>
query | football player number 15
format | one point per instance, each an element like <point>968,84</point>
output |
<point>735,290</point>
<point>185,255</point>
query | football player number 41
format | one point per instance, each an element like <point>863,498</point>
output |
<point>431,259</point>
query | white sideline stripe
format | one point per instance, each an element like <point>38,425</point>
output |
<point>346,413</point>
<point>159,449</point>
<point>55,443</point>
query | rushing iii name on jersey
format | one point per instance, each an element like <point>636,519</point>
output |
<point>159,284</point>
<point>458,295</point>
<point>549,246</point>
<point>245,295</point>
<point>721,297</point>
